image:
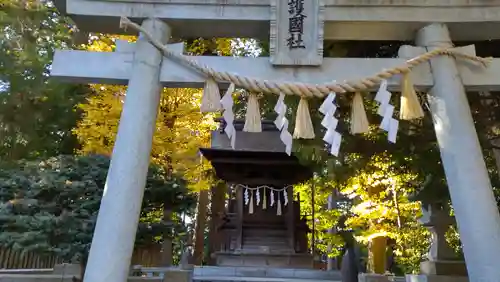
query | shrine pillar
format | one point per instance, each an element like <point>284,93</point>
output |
<point>115,231</point>
<point>471,193</point>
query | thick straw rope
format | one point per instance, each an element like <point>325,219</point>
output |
<point>301,89</point>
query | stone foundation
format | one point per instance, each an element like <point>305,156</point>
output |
<point>370,277</point>
<point>300,261</point>
<point>178,275</point>
<point>451,268</point>
<point>435,278</point>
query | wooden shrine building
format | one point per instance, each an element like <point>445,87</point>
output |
<point>260,223</point>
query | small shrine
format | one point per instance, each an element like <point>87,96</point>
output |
<point>261,222</point>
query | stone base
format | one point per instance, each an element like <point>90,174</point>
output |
<point>300,261</point>
<point>435,278</point>
<point>68,269</point>
<point>451,268</point>
<point>370,277</point>
<point>178,275</point>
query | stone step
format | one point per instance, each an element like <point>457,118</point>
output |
<point>265,233</point>
<point>272,247</point>
<point>265,241</point>
<point>267,245</point>
<point>255,279</point>
<point>268,272</point>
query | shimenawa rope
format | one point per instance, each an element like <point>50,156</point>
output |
<point>301,89</point>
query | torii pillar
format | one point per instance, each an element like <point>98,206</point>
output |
<point>116,228</point>
<point>471,192</point>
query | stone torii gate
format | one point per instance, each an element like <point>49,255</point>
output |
<point>145,70</point>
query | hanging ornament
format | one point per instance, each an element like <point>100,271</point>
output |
<point>228,115</point>
<point>359,121</point>
<point>210,101</point>
<point>278,209</point>
<point>247,199</point>
<point>386,110</point>
<point>383,97</point>
<point>332,137</point>
<point>257,196</point>
<point>390,124</point>
<point>410,104</point>
<point>272,198</point>
<point>250,208</point>
<point>303,124</point>
<point>285,196</point>
<point>264,202</point>
<point>252,118</point>
<point>281,123</point>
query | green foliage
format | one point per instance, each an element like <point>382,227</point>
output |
<point>31,105</point>
<point>51,206</point>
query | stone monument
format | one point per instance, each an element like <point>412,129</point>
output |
<point>442,262</point>
<point>305,24</point>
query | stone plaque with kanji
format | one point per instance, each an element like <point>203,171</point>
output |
<point>297,32</point>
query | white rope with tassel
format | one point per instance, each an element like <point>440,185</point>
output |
<point>250,207</point>
<point>359,121</point>
<point>278,208</point>
<point>252,117</point>
<point>303,124</point>
<point>410,105</point>
<point>210,101</point>
<point>264,199</point>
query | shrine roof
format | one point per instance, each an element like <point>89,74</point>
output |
<point>277,157</point>
<point>256,167</point>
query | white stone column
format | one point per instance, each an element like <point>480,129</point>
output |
<point>470,188</point>
<point>114,236</point>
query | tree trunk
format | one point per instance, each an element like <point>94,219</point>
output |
<point>166,255</point>
<point>201,219</point>
<point>377,255</point>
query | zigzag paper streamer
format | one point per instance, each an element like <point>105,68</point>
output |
<point>228,115</point>
<point>281,123</point>
<point>331,137</point>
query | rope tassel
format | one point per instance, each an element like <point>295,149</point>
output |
<point>410,105</point>
<point>210,102</point>
<point>252,117</point>
<point>278,208</point>
<point>359,121</point>
<point>264,200</point>
<point>250,207</point>
<point>303,124</point>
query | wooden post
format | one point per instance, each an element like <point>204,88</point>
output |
<point>291,219</point>
<point>313,235</point>
<point>201,219</point>
<point>239,223</point>
<point>217,209</point>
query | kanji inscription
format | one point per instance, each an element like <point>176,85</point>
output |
<point>297,32</point>
<point>296,24</point>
